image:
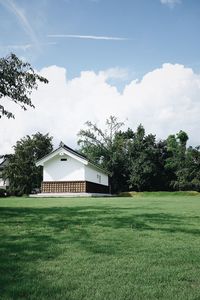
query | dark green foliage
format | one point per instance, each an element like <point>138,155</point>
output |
<point>21,170</point>
<point>17,80</point>
<point>138,162</point>
<point>183,163</point>
<point>188,176</point>
<point>2,193</point>
<point>144,161</point>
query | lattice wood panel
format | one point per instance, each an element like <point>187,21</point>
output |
<point>63,187</point>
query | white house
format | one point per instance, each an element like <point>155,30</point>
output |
<point>3,161</point>
<point>67,171</point>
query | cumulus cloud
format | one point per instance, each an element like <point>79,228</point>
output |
<point>165,101</point>
<point>115,73</point>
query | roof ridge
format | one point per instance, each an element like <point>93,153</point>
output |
<point>72,150</point>
<point>83,156</point>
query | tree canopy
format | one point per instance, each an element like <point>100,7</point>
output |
<point>21,171</point>
<point>107,148</point>
<point>134,160</point>
<point>137,161</point>
<point>17,80</point>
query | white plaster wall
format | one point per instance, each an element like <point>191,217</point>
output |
<point>92,174</point>
<point>3,183</point>
<point>57,170</point>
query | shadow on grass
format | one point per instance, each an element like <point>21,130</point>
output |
<point>33,230</point>
<point>74,219</point>
<point>39,234</point>
<point>58,219</point>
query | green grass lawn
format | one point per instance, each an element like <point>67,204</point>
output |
<point>145,247</point>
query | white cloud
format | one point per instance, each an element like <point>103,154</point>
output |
<point>171,3</point>
<point>88,37</point>
<point>165,101</point>
<point>115,73</point>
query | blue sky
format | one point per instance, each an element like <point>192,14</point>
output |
<point>135,59</point>
<point>154,33</point>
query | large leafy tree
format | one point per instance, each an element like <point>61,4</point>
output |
<point>108,149</point>
<point>188,173</point>
<point>17,80</point>
<point>192,169</point>
<point>177,161</point>
<point>21,171</point>
<point>146,162</point>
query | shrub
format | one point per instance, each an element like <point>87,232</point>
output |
<point>3,193</point>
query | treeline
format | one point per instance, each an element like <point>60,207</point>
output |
<point>137,161</point>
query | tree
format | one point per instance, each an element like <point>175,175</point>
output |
<point>21,171</point>
<point>193,168</point>
<point>137,161</point>
<point>17,80</point>
<point>145,162</point>
<point>108,149</point>
<point>188,176</point>
<point>176,161</point>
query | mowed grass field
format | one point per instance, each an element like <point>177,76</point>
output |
<point>145,247</point>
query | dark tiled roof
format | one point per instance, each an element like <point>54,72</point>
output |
<point>72,151</point>
<point>3,161</point>
<point>81,156</point>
